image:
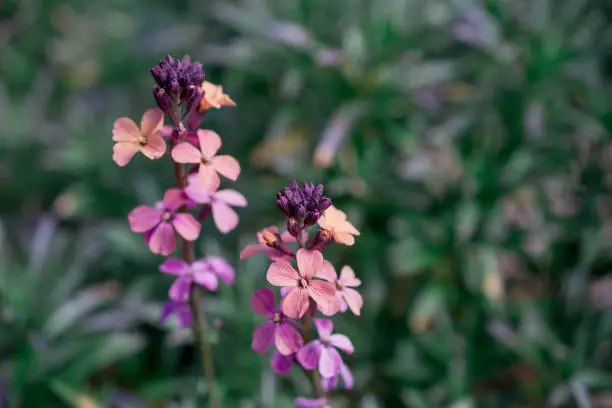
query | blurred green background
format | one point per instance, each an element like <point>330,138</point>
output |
<point>469,141</point>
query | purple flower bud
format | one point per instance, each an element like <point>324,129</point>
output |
<point>194,116</point>
<point>305,204</point>
<point>178,77</point>
<point>164,100</point>
<point>320,240</point>
<point>293,227</point>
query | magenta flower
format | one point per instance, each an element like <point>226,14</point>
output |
<point>331,383</point>
<point>282,364</point>
<point>311,403</point>
<point>160,223</point>
<point>181,310</point>
<point>347,297</point>
<point>203,272</point>
<point>270,235</point>
<point>211,165</point>
<point>220,202</point>
<point>277,330</point>
<point>322,353</point>
<point>303,285</point>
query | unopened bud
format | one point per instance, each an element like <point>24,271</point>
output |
<point>320,240</point>
<point>164,100</point>
<point>293,227</point>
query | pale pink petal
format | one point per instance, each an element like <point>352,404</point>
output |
<point>263,302</point>
<point>325,327</point>
<point>123,152</point>
<point>173,199</point>
<point>179,291</point>
<point>155,147</point>
<point>210,143</point>
<point>198,193</point>
<point>221,268</point>
<point>186,153</point>
<point>263,337</point>
<point>175,266</point>
<point>286,289</point>
<point>353,299</point>
<point>310,354</point>
<point>324,294</point>
<point>186,226</point>
<point>231,197</point>
<point>277,255</point>
<point>330,362</point>
<point>227,166</point>
<point>342,342</point>
<point>327,272</point>
<point>348,278</point>
<point>344,238</point>
<point>281,364</point>
<point>347,377</point>
<point>162,240</point>
<point>125,130</point>
<point>309,262</point>
<point>329,383</point>
<point>152,121</point>
<point>208,176</point>
<point>281,273</point>
<point>295,303</point>
<point>348,227</point>
<point>143,218</point>
<point>205,278</point>
<point>251,250</point>
<point>226,219</point>
<point>287,339</point>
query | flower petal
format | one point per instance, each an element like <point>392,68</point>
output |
<point>281,364</point>
<point>125,130</point>
<point>162,240</point>
<point>342,342</point>
<point>144,218</point>
<point>226,166</point>
<point>155,147</point>
<point>324,294</point>
<point>210,143</point>
<point>263,302</point>
<point>221,268</point>
<point>263,337</point>
<point>251,250</point>
<point>347,377</point>
<point>186,226</point>
<point>175,266</point>
<point>123,152</point>
<point>310,402</point>
<point>231,197</point>
<point>353,299</point>
<point>327,272</point>
<point>348,278</point>
<point>310,354</point>
<point>344,238</point>
<point>198,193</point>
<point>226,219</point>
<point>330,362</point>
<point>205,278</point>
<point>332,218</point>
<point>287,339</point>
<point>174,199</point>
<point>329,383</point>
<point>186,153</point>
<point>281,273</point>
<point>208,176</point>
<point>179,291</point>
<point>348,228</point>
<point>151,121</point>
<point>309,262</point>
<point>325,327</point>
<point>295,303</point>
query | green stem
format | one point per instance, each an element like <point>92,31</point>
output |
<point>314,374</point>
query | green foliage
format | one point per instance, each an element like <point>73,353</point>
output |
<point>468,141</point>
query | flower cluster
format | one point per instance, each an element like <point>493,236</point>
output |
<point>310,287</point>
<point>183,98</point>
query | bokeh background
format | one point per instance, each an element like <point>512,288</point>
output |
<point>469,141</point>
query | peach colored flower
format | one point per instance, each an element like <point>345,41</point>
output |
<point>131,140</point>
<point>334,221</point>
<point>210,163</point>
<point>214,97</point>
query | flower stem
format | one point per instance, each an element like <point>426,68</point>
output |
<point>196,302</point>
<point>314,374</point>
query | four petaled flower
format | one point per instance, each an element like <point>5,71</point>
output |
<point>214,97</point>
<point>277,329</point>
<point>161,223</point>
<point>346,296</point>
<point>204,272</point>
<point>334,221</point>
<point>322,353</point>
<point>131,140</point>
<point>206,156</point>
<point>267,237</point>
<point>303,284</point>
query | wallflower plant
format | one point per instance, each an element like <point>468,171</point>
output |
<point>183,98</point>
<point>310,287</point>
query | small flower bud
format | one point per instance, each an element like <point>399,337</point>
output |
<point>164,100</point>
<point>320,240</point>
<point>293,227</point>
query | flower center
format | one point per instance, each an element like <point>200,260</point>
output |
<point>277,318</point>
<point>167,216</point>
<point>324,341</point>
<point>142,140</point>
<point>339,285</point>
<point>303,283</point>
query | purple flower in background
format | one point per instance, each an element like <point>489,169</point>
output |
<point>203,272</point>
<point>181,310</point>
<point>311,403</point>
<point>322,353</point>
<point>282,364</point>
<point>277,329</point>
<point>302,204</point>
<point>331,383</point>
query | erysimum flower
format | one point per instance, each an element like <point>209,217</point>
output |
<point>131,140</point>
<point>214,97</point>
<point>322,353</point>
<point>347,297</point>
<point>161,223</point>
<point>331,383</point>
<point>204,272</point>
<point>334,221</point>
<point>271,242</point>
<point>277,329</point>
<point>181,310</point>
<point>303,284</point>
<point>206,156</point>
<point>220,202</point>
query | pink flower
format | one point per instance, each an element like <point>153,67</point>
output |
<point>210,163</point>
<point>331,383</point>
<point>204,272</point>
<point>311,402</point>
<point>270,235</point>
<point>335,223</point>
<point>277,329</point>
<point>131,140</point>
<point>282,364</point>
<point>347,297</point>
<point>160,223</point>
<point>220,201</point>
<point>303,285</point>
<point>322,353</point>
<point>180,309</point>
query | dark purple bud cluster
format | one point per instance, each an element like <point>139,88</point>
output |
<point>303,204</point>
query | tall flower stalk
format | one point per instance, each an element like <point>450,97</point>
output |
<point>183,97</point>
<point>310,288</point>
